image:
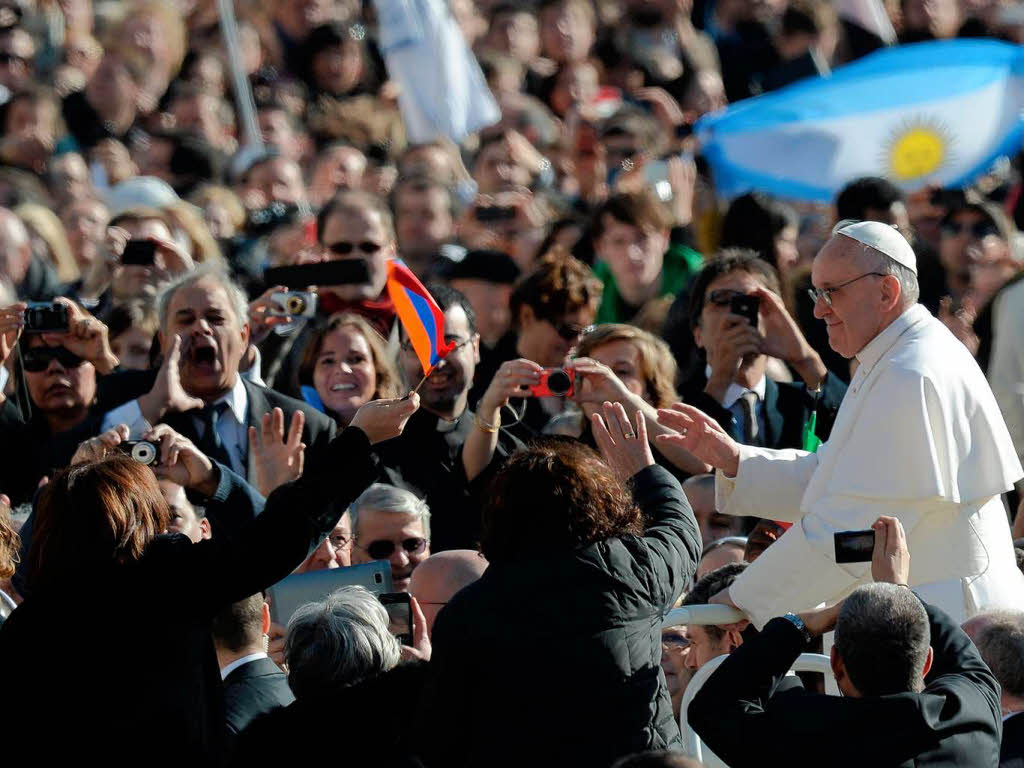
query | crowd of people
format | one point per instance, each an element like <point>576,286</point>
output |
<point>653,397</point>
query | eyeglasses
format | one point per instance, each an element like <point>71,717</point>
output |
<point>406,344</point>
<point>340,540</point>
<point>343,248</point>
<point>723,297</point>
<point>384,548</point>
<point>37,359</point>
<point>979,229</point>
<point>826,293</point>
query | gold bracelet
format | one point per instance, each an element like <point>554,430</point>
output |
<point>483,426</point>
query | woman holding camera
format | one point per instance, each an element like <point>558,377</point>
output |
<point>112,646</point>
<point>581,571</point>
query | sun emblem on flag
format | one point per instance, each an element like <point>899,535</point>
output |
<point>917,148</point>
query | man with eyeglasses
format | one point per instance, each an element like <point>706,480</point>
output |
<point>733,387</point>
<point>918,437</point>
<point>390,523</point>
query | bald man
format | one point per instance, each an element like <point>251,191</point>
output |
<point>436,580</point>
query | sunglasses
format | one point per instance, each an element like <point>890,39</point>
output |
<point>383,549</point>
<point>343,248</point>
<point>568,331</point>
<point>979,230</point>
<point>723,297</point>
<point>406,344</point>
<point>11,58</point>
<point>37,359</point>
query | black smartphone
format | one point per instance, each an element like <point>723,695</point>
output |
<point>399,610</point>
<point>495,213</point>
<point>746,306</point>
<point>854,546</point>
<point>342,272</point>
<point>43,317</point>
<point>139,253</point>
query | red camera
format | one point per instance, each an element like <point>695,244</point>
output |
<point>555,382</point>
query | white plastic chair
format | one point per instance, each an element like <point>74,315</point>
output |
<point>703,615</point>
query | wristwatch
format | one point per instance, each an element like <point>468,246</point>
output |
<point>797,622</point>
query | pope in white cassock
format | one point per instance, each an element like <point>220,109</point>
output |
<point>918,436</point>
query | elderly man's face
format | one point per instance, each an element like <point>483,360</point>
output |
<point>856,314</point>
<point>335,551</point>
<point>396,537</point>
<point>215,338</point>
<point>362,235</point>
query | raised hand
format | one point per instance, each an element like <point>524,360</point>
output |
<point>597,383</point>
<point>420,648</point>
<point>181,462</point>
<point>513,379</point>
<point>261,315</point>
<point>784,339</point>
<point>699,434</point>
<point>624,449</point>
<point>385,419</point>
<point>101,446</point>
<point>12,323</point>
<point>276,459</point>
<point>890,559</point>
<point>167,393</point>
<point>86,336</point>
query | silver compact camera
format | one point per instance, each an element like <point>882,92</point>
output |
<point>295,303</point>
<point>143,451</point>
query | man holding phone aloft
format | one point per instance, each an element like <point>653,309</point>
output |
<point>739,320</point>
<point>918,437</point>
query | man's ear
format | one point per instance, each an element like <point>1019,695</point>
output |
<point>205,532</point>
<point>734,638</point>
<point>526,316</point>
<point>265,626</point>
<point>928,659</point>
<point>245,334</point>
<point>836,662</point>
<point>892,291</point>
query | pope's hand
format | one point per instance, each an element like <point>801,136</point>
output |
<point>699,434</point>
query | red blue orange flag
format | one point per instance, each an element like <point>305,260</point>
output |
<point>419,314</point>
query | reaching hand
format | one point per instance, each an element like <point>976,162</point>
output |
<point>277,460</point>
<point>181,462</point>
<point>625,451</point>
<point>101,446</point>
<point>12,322</point>
<point>513,379</point>
<point>890,560</point>
<point>167,393</point>
<point>420,648</point>
<point>385,419</point>
<point>699,434</point>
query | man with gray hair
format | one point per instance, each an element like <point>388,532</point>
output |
<point>393,524</point>
<point>915,689</point>
<point>198,391</point>
<point>343,667</point>
<point>918,436</point>
<point>999,636</point>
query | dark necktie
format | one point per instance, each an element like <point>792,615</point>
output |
<point>751,430</point>
<point>210,442</point>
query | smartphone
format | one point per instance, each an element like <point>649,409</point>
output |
<point>44,317</point>
<point>494,213</point>
<point>746,306</point>
<point>555,382</point>
<point>139,252</point>
<point>342,272</point>
<point>854,546</point>
<point>399,610</point>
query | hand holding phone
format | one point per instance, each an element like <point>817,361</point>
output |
<point>748,306</point>
<point>399,611</point>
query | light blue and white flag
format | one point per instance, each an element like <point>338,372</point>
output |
<point>442,91</point>
<point>930,113</point>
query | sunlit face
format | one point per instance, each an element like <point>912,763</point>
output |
<point>85,222</point>
<point>445,390</point>
<point>58,389</point>
<point>724,554</point>
<point>394,527</point>
<point>675,647</point>
<point>357,227</point>
<point>624,359</point>
<point>338,168</point>
<point>338,69</point>
<point>277,131</point>
<point>490,304</point>
<point>335,551</point>
<point>567,32</point>
<point>345,376</point>
<point>547,342</point>
<point>132,281</point>
<point>969,239</point>
<point>715,319</point>
<point>515,33</point>
<point>276,181</point>
<point>32,119</point>
<point>497,170</point>
<point>703,648</point>
<point>132,349</point>
<point>423,220</point>
<point>786,253</point>
<point>634,255</point>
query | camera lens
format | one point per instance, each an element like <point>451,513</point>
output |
<point>144,453</point>
<point>296,305</point>
<point>559,383</point>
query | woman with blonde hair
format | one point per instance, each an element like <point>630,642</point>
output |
<point>49,239</point>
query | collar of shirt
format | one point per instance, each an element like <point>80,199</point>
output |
<point>881,344</point>
<point>735,391</point>
<point>225,671</point>
<point>237,400</point>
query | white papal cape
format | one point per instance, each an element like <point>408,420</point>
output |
<point>918,436</point>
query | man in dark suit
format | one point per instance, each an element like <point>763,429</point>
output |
<point>253,684</point>
<point>999,636</point>
<point>915,689</point>
<point>733,387</point>
<point>198,391</point>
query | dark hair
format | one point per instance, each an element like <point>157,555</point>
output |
<point>553,497</point>
<point>239,625</point>
<point>1001,645</point>
<point>754,221</point>
<point>711,584</point>
<point>448,297</point>
<point>639,209</point>
<point>387,384</point>
<point>882,636</point>
<point>349,201</point>
<point>421,182</point>
<point>860,195</point>
<point>94,515</point>
<point>726,262</point>
<point>558,285</point>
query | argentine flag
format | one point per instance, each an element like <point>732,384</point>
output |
<point>930,113</point>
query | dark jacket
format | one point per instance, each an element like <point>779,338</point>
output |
<point>253,689</point>
<point>954,721</point>
<point>557,661</point>
<point>787,406</point>
<point>1011,751</point>
<point>369,721</point>
<point>122,658</point>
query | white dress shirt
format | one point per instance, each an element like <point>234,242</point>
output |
<point>227,670</point>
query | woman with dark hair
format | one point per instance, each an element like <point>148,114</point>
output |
<point>556,650</point>
<point>764,225</point>
<point>345,365</point>
<point>112,647</point>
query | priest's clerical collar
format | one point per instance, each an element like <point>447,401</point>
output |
<point>874,349</point>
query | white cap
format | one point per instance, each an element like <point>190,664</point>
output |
<point>882,237</point>
<point>139,192</point>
